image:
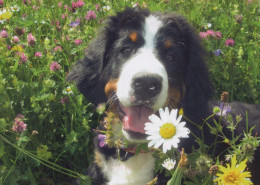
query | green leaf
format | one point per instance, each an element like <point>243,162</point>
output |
<point>71,138</point>
<point>2,149</point>
<point>43,153</point>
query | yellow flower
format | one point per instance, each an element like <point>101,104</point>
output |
<point>234,174</point>
<point>17,48</point>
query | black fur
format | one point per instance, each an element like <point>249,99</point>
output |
<point>188,69</point>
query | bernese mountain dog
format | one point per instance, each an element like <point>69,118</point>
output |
<point>139,62</point>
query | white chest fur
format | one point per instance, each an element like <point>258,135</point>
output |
<point>137,170</point>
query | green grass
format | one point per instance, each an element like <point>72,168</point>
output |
<point>65,129</point>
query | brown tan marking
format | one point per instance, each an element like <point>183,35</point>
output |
<point>98,159</point>
<point>167,44</point>
<point>133,36</point>
<point>110,87</point>
<point>174,96</point>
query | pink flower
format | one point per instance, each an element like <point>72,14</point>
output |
<point>19,31</point>
<point>9,47</point>
<point>67,37</point>
<point>230,42</point>
<point>30,39</point>
<point>1,3</point>
<point>219,35</point>
<point>77,41</point>
<point>23,58</point>
<point>58,48</point>
<point>19,126</point>
<point>59,4</point>
<point>64,100</point>
<point>211,33</point>
<point>38,54</point>
<point>4,34</point>
<point>63,16</point>
<point>97,7</point>
<point>15,39</point>
<point>91,15</point>
<point>80,3</point>
<point>55,66</point>
<point>25,2</point>
<point>203,35</point>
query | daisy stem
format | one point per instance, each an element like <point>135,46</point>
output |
<point>192,122</point>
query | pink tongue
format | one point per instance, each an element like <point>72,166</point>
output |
<point>136,117</point>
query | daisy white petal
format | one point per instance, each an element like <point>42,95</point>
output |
<point>159,143</point>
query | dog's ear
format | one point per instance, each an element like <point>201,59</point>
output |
<point>198,88</point>
<point>86,73</point>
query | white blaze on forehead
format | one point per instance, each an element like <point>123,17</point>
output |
<point>151,27</point>
<point>144,62</point>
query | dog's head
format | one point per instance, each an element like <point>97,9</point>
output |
<point>142,61</point>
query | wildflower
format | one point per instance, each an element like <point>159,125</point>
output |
<point>101,138</point>
<point>106,8</point>
<point>213,170</point>
<point>38,54</point>
<point>203,35</point>
<point>47,42</point>
<point>9,47</point>
<point>59,4</point>
<point>101,108</point>
<point>55,66</point>
<point>4,34</point>
<point>64,100</point>
<point>68,90</point>
<point>35,132</point>
<point>97,6</point>
<point>77,41</point>
<point>4,14</point>
<point>15,39</point>
<point>80,3</point>
<point>25,2</point>
<point>238,18</point>
<point>58,48</point>
<point>230,42</point>
<point>217,52</point>
<point>1,3</point>
<point>19,31</point>
<point>233,174</point>
<point>74,24</point>
<point>211,33</point>
<point>169,164</point>
<point>224,97</point>
<point>91,15</point>
<point>15,8</point>
<point>224,109</point>
<point>218,34</point>
<point>30,39</point>
<point>166,130</point>
<point>23,58</point>
<point>19,126</point>
<point>17,49</point>
<point>207,26</point>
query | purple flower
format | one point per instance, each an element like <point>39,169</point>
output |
<point>77,41</point>
<point>58,48</point>
<point>15,39</point>
<point>217,52</point>
<point>224,109</point>
<point>23,58</point>
<point>211,33</point>
<point>55,66</point>
<point>80,3</point>
<point>101,138</point>
<point>19,126</point>
<point>203,35</point>
<point>97,7</point>
<point>74,24</point>
<point>38,54</point>
<point>219,35</point>
<point>64,100</point>
<point>91,15</point>
<point>1,3</point>
<point>30,39</point>
<point>230,42</point>
<point>4,34</point>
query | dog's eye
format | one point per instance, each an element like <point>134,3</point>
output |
<point>126,50</point>
<point>170,57</point>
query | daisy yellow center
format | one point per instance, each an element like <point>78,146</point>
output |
<point>232,177</point>
<point>68,89</point>
<point>167,131</point>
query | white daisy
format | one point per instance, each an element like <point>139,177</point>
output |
<point>169,164</point>
<point>68,90</point>
<point>106,8</point>
<point>166,129</point>
<point>15,8</point>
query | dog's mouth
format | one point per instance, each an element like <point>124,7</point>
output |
<point>134,119</point>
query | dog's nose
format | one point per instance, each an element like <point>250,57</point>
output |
<point>146,87</point>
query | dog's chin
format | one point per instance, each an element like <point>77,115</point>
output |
<point>135,137</point>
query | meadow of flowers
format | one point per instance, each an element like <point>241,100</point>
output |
<point>45,124</point>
